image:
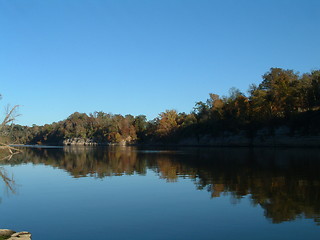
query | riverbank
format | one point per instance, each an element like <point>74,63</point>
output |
<point>258,141</point>
<point>210,141</point>
<point>282,136</point>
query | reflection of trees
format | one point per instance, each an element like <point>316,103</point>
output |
<point>285,183</point>
<point>80,162</point>
<point>9,182</point>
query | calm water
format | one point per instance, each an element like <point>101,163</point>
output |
<point>130,193</point>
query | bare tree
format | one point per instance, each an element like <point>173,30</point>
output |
<point>11,114</point>
<point>10,117</point>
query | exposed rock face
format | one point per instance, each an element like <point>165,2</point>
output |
<point>80,141</point>
<point>21,236</point>
<point>12,235</point>
<point>279,138</point>
<point>91,142</point>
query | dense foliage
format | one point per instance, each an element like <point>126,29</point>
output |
<point>283,98</point>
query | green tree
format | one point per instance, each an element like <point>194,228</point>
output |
<point>279,88</point>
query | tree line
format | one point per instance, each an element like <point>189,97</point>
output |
<point>283,98</point>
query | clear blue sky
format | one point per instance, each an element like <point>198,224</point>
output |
<point>142,57</point>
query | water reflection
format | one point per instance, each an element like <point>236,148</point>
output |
<point>8,182</point>
<point>285,183</point>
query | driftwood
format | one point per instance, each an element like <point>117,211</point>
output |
<point>11,150</point>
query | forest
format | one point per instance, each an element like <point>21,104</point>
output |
<point>283,98</point>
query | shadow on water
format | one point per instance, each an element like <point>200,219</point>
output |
<point>284,182</point>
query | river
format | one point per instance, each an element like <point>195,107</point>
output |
<point>153,193</point>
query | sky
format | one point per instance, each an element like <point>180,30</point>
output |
<point>143,57</point>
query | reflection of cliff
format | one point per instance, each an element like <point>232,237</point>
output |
<point>80,162</point>
<point>286,183</point>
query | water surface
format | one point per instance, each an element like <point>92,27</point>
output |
<point>185,193</point>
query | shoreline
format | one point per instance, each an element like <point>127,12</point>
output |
<point>207,141</point>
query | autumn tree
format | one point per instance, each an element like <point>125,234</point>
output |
<point>167,123</point>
